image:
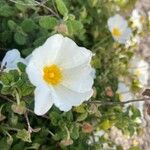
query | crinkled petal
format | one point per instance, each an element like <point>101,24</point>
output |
<point>28,58</point>
<point>65,98</point>
<point>125,36</point>
<point>46,54</point>
<point>118,22</point>
<point>43,100</point>
<point>71,55</point>
<point>34,74</point>
<point>11,59</point>
<point>78,79</point>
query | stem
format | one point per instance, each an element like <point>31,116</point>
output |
<point>52,134</point>
<point>10,128</point>
<point>118,103</point>
<point>49,9</point>
<point>68,133</point>
<point>17,97</point>
<point>88,102</point>
<point>28,123</point>
<point>20,3</point>
<point>36,3</point>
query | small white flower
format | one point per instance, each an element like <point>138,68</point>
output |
<point>139,67</point>
<point>135,40</point>
<point>61,72</point>
<point>11,59</point>
<point>136,19</point>
<point>124,92</point>
<point>119,29</point>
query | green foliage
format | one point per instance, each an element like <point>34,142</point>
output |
<point>48,22</point>
<point>26,24</point>
<point>24,135</point>
<point>61,7</point>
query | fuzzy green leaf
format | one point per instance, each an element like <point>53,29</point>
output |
<point>61,7</point>
<point>24,135</point>
<point>48,22</point>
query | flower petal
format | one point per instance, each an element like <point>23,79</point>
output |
<point>43,100</point>
<point>78,79</point>
<point>46,54</point>
<point>118,22</point>
<point>125,36</point>
<point>34,74</point>
<point>65,98</point>
<point>11,59</point>
<point>71,55</point>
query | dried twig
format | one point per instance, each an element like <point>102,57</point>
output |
<point>88,102</point>
<point>28,123</point>
<point>36,3</point>
<point>118,103</point>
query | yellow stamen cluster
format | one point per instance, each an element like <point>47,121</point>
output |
<point>116,32</point>
<point>52,74</point>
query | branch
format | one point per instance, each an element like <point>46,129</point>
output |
<point>118,103</point>
<point>49,9</point>
<point>88,102</point>
<point>36,3</point>
<point>28,123</point>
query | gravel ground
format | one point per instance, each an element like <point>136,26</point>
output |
<point>144,49</point>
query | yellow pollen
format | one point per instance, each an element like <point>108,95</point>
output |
<point>52,74</point>
<point>116,32</point>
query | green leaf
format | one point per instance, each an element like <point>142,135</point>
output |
<point>21,67</point>
<point>3,144</point>
<point>75,132</point>
<point>10,77</point>
<point>6,90</point>
<point>12,25</point>
<point>6,10</point>
<point>28,25</point>
<point>20,38</point>
<point>26,89</point>
<point>24,135</point>
<point>24,5</point>
<point>80,109</point>
<point>136,112</point>
<point>6,78</point>
<point>105,125</point>
<point>74,26</point>
<point>61,7</point>
<point>82,117</point>
<point>69,115</point>
<point>55,118</point>
<point>48,22</point>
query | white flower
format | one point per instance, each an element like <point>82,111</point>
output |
<point>124,92</point>
<point>139,67</point>
<point>136,19</point>
<point>125,95</point>
<point>11,59</point>
<point>61,72</point>
<point>135,40</point>
<point>119,29</point>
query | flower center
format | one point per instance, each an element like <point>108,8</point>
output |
<point>116,32</point>
<point>52,74</point>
